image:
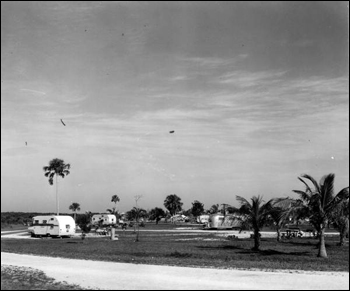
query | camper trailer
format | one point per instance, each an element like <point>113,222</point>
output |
<point>52,225</point>
<point>104,219</point>
<point>220,221</point>
<point>203,219</point>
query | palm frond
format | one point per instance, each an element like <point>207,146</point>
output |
<point>342,196</point>
<point>282,202</point>
<point>303,195</point>
<point>308,189</point>
<point>317,188</point>
<point>242,200</point>
<point>327,189</point>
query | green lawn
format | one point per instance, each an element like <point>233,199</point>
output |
<point>190,249</point>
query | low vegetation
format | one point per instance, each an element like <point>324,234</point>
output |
<point>24,278</point>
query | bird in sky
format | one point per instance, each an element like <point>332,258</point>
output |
<point>26,143</point>
<point>63,122</point>
<point>171,131</point>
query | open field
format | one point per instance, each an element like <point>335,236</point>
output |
<point>197,249</point>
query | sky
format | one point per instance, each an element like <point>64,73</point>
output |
<point>256,94</point>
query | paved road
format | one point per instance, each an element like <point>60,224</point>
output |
<point>121,276</point>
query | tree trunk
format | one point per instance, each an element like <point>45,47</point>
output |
<point>342,238</point>
<point>57,202</point>
<point>256,240</point>
<point>278,234</point>
<point>322,245</point>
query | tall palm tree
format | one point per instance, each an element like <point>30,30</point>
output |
<point>115,199</point>
<point>56,167</point>
<point>173,203</point>
<point>254,214</point>
<point>320,203</point>
<point>75,207</point>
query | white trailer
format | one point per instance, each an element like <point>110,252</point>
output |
<point>104,219</point>
<point>203,219</point>
<point>220,221</point>
<point>53,225</point>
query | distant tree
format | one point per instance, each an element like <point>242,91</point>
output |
<point>75,207</point>
<point>173,204</point>
<point>254,215</point>
<point>56,167</point>
<point>156,214</point>
<point>214,209</point>
<point>136,214</point>
<point>84,221</point>
<point>197,208</point>
<point>320,204</point>
<point>340,220</point>
<point>115,199</point>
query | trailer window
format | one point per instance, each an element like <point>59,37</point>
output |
<point>44,221</point>
<point>51,218</point>
<point>67,226</point>
<point>36,221</point>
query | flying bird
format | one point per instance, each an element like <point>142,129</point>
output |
<point>26,143</point>
<point>63,122</point>
<point>171,131</point>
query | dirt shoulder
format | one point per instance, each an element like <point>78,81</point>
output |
<point>121,276</point>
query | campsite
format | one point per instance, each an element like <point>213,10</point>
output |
<point>187,245</point>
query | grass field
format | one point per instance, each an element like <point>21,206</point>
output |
<point>190,249</point>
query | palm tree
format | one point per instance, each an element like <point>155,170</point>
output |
<point>56,167</point>
<point>115,199</point>
<point>114,210</point>
<point>173,204</point>
<point>253,215</point>
<point>75,207</point>
<point>320,203</point>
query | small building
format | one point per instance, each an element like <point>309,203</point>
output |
<point>52,225</point>
<point>103,219</point>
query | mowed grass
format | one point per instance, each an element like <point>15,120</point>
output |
<point>190,250</point>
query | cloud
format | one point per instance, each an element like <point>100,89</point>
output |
<point>34,91</point>
<point>212,62</point>
<point>246,79</point>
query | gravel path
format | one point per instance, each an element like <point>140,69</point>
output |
<point>121,276</point>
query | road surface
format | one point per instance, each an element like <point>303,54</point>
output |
<point>122,276</point>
